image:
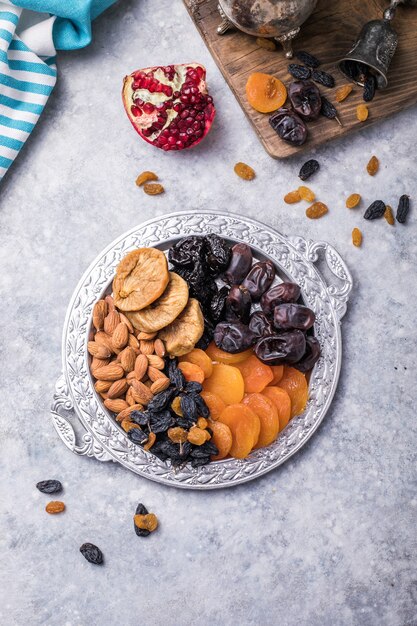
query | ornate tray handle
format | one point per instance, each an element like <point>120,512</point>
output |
<point>338,278</point>
<point>69,427</point>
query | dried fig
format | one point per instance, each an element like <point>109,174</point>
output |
<point>141,277</point>
<point>181,336</point>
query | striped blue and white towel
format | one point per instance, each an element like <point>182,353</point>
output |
<point>30,33</point>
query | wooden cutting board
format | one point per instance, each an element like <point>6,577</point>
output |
<point>328,34</point>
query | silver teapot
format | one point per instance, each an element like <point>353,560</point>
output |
<point>277,19</point>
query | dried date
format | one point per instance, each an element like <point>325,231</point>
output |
<point>233,337</point>
<point>305,99</point>
<point>240,264</point>
<point>259,279</point>
<point>285,292</point>
<point>289,316</point>
<point>261,325</point>
<point>311,355</point>
<point>288,347</point>
<point>289,126</point>
<point>238,304</point>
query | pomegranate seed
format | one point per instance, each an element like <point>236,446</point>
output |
<point>189,131</point>
<point>166,146</point>
<point>209,99</point>
<point>184,99</point>
<point>139,102</point>
<point>198,133</point>
<point>177,94</point>
<point>146,83</point>
<point>183,136</point>
<point>160,106</point>
<point>135,85</point>
<point>166,132</point>
<point>200,71</point>
<point>186,91</point>
<point>162,140</point>
<point>193,113</point>
<point>189,120</point>
<point>193,75</point>
<point>171,141</point>
<point>182,125</point>
<point>193,99</point>
<point>177,107</point>
<point>184,114</point>
<point>196,125</point>
<point>180,145</point>
<point>147,132</point>
<point>168,90</point>
<point>193,90</point>
<point>148,108</point>
<point>161,119</point>
<point>174,131</point>
<point>135,111</point>
<point>199,116</point>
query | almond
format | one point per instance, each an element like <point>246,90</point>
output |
<point>103,395</point>
<point>111,320</point>
<point>115,405</point>
<point>124,319</point>
<point>156,361</point>
<point>129,397</point>
<point>103,339</point>
<point>120,336</point>
<point>96,364</point>
<point>133,342</point>
<point>127,359</point>
<point>141,392</point>
<point>143,335</point>
<point>110,303</point>
<point>160,385</point>
<point>159,348</point>
<point>99,313</point>
<point>146,346</point>
<point>118,388</point>
<point>130,376</point>
<point>113,371</point>
<point>98,350</point>
<point>155,374</point>
<point>128,411</point>
<point>102,386</point>
<point>141,366</point>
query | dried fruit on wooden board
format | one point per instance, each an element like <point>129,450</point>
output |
<point>362,112</point>
<point>369,88</point>
<point>267,44</point>
<point>145,177</point>
<point>323,78</point>
<point>264,92</point>
<point>306,194</point>
<point>292,197</point>
<point>403,208</point>
<point>92,553</point>
<point>343,92</point>
<point>329,110</point>
<point>299,71</point>
<point>308,169</point>
<point>307,58</point>
<point>49,486</point>
<point>372,166</point>
<point>55,507</point>
<point>153,189</point>
<point>389,215</point>
<point>356,237</point>
<point>353,200</point>
<point>244,171</point>
<point>375,210</point>
<point>316,210</point>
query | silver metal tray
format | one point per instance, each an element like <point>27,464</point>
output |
<point>85,425</point>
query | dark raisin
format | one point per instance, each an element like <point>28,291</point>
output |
<point>158,450</point>
<point>92,553</point>
<point>175,375</point>
<point>375,210</point>
<point>299,71</point>
<point>369,88</point>
<point>403,208</point>
<point>328,109</point>
<point>217,253</point>
<point>202,408</point>
<point>141,510</point>
<point>189,407</point>
<point>136,435</point>
<point>161,400</point>
<point>49,486</point>
<point>323,78</point>
<point>184,422</point>
<point>307,58</point>
<point>200,461</point>
<point>139,417</point>
<point>308,169</point>
<point>350,68</point>
<point>193,386</point>
<point>217,304</point>
<point>160,422</point>
<point>205,340</point>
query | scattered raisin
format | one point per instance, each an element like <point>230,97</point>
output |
<point>323,78</point>
<point>353,200</point>
<point>356,237</point>
<point>316,210</point>
<point>307,58</point>
<point>49,486</point>
<point>55,507</point>
<point>369,88</point>
<point>244,171</point>
<point>267,44</point>
<point>389,215</point>
<point>292,197</point>
<point>306,194</point>
<point>329,110</point>
<point>153,189</point>
<point>141,510</point>
<point>92,553</point>
<point>343,92</point>
<point>299,71</point>
<point>308,169</point>
<point>375,210</point>
<point>148,522</point>
<point>403,208</point>
<point>362,112</point>
<point>145,177</point>
<point>373,166</point>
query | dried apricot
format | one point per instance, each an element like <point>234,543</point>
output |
<point>267,412</point>
<point>214,402</point>
<point>295,384</point>
<point>306,193</point>
<point>316,210</point>
<point>267,44</point>
<point>282,402</point>
<point>245,427</point>
<point>343,92</point>
<point>244,171</point>
<point>389,215</point>
<point>362,112</point>
<point>227,382</point>
<point>191,371</point>
<point>220,356</point>
<point>200,358</point>
<point>353,200</point>
<point>145,177</point>
<point>222,439</point>
<point>356,237</point>
<point>256,375</point>
<point>373,166</point>
<point>292,197</point>
<point>277,372</point>
<point>265,93</point>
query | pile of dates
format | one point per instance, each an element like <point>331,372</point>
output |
<point>247,311</point>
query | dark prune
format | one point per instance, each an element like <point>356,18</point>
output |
<point>289,126</point>
<point>218,303</point>
<point>206,449</point>
<point>285,292</point>
<point>202,408</point>
<point>217,254</point>
<point>141,510</point>
<point>136,435</point>
<point>323,78</point>
<point>200,461</point>
<point>327,109</point>
<point>160,422</point>
<point>185,252</point>
<point>305,99</point>
<point>205,340</point>
<point>288,316</point>
<point>189,407</point>
<point>49,486</point>
<point>286,347</point>
<point>233,337</point>
<point>308,169</point>
<point>261,325</point>
<point>369,88</point>
<point>240,264</point>
<point>200,283</point>
<point>161,400</point>
<point>259,279</point>
<point>403,208</point>
<point>139,417</point>
<point>238,304</point>
<point>375,210</point>
<point>311,355</point>
<point>299,71</point>
<point>175,375</point>
<point>193,386</point>
<point>92,553</point>
<point>307,58</point>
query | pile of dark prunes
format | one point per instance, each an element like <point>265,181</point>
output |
<point>279,330</point>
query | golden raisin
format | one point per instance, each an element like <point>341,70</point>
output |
<point>356,237</point>
<point>268,44</point>
<point>373,166</point>
<point>145,177</point>
<point>353,200</point>
<point>55,507</point>
<point>177,434</point>
<point>292,197</point>
<point>306,194</point>
<point>146,522</point>
<point>343,92</point>
<point>127,424</point>
<point>202,423</point>
<point>362,112</point>
<point>151,440</point>
<point>389,215</point>
<point>197,436</point>
<point>176,406</point>
<point>244,171</point>
<point>153,189</point>
<point>316,210</point>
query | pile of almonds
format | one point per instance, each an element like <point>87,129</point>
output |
<point>127,364</point>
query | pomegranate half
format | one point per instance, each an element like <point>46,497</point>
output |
<point>169,106</point>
